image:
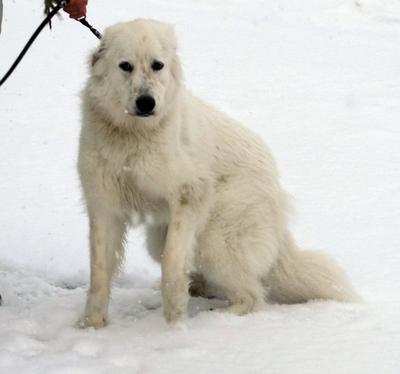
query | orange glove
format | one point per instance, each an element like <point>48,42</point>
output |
<point>76,8</point>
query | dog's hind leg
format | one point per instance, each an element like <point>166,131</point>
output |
<point>244,298</point>
<point>244,290</point>
<point>235,263</point>
<point>107,234</point>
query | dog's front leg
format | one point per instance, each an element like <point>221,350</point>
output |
<point>106,252</point>
<point>176,261</point>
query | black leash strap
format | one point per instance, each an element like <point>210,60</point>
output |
<point>53,12</point>
<point>90,27</point>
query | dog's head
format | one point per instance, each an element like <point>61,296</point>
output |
<point>135,71</point>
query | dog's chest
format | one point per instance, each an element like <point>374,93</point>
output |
<point>136,176</point>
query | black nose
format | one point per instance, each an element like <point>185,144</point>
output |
<point>145,105</point>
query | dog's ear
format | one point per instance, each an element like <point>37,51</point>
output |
<point>97,61</point>
<point>97,54</point>
<point>171,45</point>
<point>169,37</point>
<point>176,69</point>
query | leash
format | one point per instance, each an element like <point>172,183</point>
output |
<point>46,21</point>
<point>90,27</point>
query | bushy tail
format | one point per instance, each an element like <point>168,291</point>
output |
<point>299,276</point>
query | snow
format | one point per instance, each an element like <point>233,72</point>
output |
<point>318,80</point>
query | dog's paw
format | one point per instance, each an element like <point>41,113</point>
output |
<point>173,315</point>
<point>175,300</point>
<point>96,321</point>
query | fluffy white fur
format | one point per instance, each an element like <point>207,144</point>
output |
<point>206,188</point>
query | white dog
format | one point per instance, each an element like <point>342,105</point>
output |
<point>206,187</point>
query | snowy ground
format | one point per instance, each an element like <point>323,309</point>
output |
<point>318,80</point>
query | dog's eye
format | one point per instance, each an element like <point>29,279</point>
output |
<point>126,66</point>
<point>157,65</point>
